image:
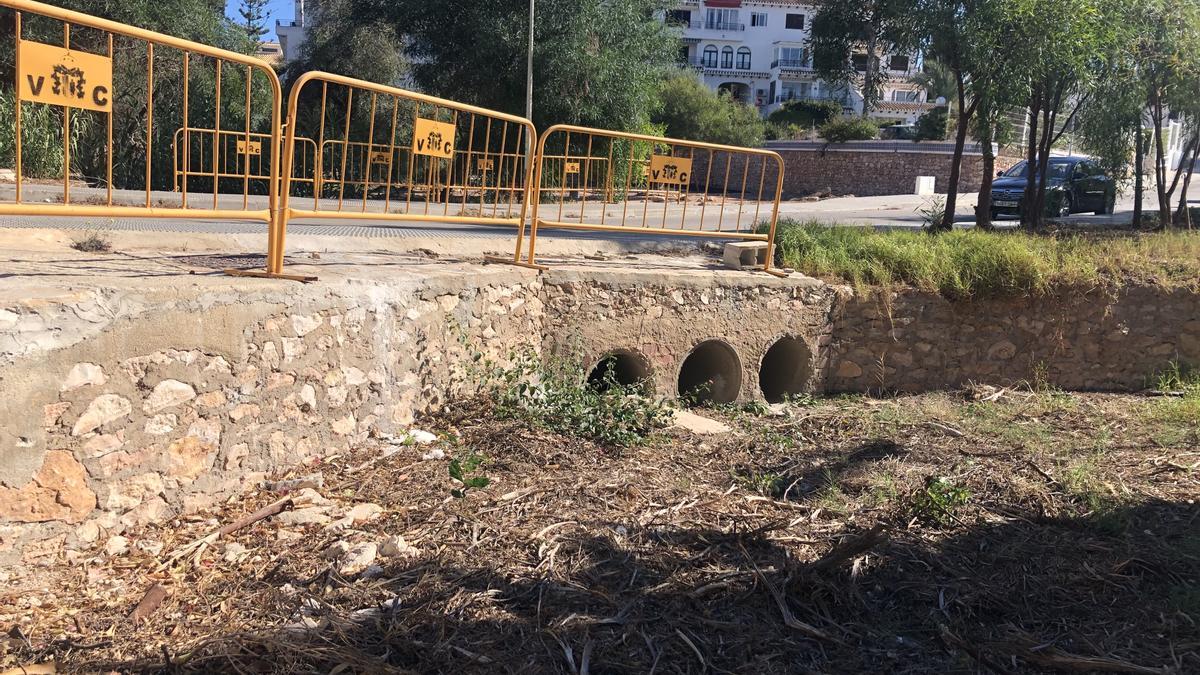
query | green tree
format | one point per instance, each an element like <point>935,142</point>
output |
<point>936,79</point>
<point>596,62</point>
<point>1068,44</point>
<point>200,21</point>
<point>342,41</point>
<point>934,125</point>
<point>867,29</point>
<point>691,111</point>
<point>1168,55</point>
<point>254,18</point>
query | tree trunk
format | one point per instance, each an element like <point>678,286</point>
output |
<point>869,75</point>
<point>1027,217</point>
<point>960,141</point>
<point>1160,163</point>
<point>983,212</point>
<point>1139,169</point>
<point>1183,214</point>
<point>1049,116</point>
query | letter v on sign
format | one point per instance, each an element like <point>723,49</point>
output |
<point>84,80</point>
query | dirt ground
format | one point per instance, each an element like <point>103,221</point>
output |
<point>1001,531</point>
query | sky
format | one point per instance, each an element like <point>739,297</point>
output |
<point>284,10</point>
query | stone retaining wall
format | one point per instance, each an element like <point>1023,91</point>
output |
<point>1076,339</point>
<point>863,173</point>
<point>124,407</point>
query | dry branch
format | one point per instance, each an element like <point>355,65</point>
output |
<point>850,548</point>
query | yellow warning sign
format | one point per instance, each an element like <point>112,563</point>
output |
<point>64,77</point>
<point>670,170</point>
<point>572,167</point>
<point>435,139</point>
<point>255,147</point>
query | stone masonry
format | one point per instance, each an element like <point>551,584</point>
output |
<point>863,173</point>
<point>129,404</point>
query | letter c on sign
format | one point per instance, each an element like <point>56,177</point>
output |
<point>100,96</point>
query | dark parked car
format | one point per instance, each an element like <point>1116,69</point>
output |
<point>1074,185</point>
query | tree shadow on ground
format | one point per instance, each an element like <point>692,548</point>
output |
<point>1021,594</point>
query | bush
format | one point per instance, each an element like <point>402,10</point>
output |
<point>934,125</point>
<point>806,114</point>
<point>558,397</point>
<point>691,111</point>
<point>849,129</point>
<point>778,131</point>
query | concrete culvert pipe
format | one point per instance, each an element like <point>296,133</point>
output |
<point>786,369</point>
<point>628,368</point>
<point>712,373</point>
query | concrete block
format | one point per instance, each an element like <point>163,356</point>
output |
<point>743,254</point>
<point>925,186</point>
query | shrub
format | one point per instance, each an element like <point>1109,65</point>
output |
<point>934,125</point>
<point>92,242</point>
<point>940,499</point>
<point>849,129</point>
<point>557,396</point>
<point>778,131</point>
<point>806,114</point>
<point>692,111</point>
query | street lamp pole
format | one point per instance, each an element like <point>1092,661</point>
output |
<point>529,67</point>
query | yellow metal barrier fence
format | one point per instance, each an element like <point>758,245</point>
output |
<point>115,87</point>
<point>395,155</point>
<point>231,150</point>
<point>608,181</point>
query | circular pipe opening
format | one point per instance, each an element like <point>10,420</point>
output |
<point>621,366</point>
<point>712,373</point>
<point>786,369</point>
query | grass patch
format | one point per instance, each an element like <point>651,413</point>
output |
<point>1177,415</point>
<point>975,264</point>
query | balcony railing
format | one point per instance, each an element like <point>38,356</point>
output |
<point>716,65</point>
<point>718,25</point>
<point>844,101</point>
<point>791,64</point>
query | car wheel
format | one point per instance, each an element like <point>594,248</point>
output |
<point>1064,209</point>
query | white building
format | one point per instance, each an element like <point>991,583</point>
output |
<point>759,51</point>
<point>292,34</point>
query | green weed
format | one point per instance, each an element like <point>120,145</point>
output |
<point>556,396</point>
<point>940,499</point>
<point>468,474</point>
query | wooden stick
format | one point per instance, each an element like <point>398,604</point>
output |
<point>850,548</point>
<point>150,601</point>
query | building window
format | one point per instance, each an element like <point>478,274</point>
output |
<point>792,57</point>
<point>722,19</point>
<point>679,17</point>
<point>727,57</point>
<point>898,63</point>
<point>758,19</point>
<point>904,96</point>
<point>795,21</point>
<point>743,60</point>
<point>859,61</point>
<point>710,57</point>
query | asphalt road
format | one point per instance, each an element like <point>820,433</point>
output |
<point>899,211</point>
